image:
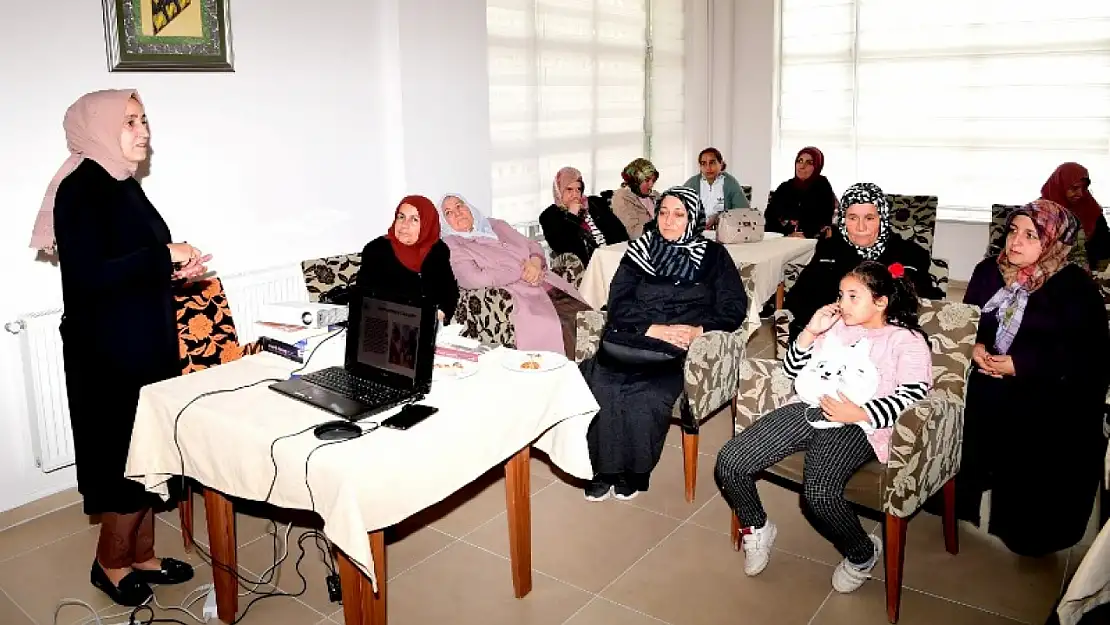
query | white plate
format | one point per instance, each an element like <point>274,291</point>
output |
<point>544,361</point>
<point>772,235</point>
<point>452,369</point>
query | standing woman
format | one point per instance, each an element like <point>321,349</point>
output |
<point>718,189</point>
<point>576,224</point>
<point>118,268</point>
<point>634,203</point>
<point>804,205</point>
<point>411,260</point>
<point>1070,187</point>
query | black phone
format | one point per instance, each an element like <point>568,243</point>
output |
<point>409,416</point>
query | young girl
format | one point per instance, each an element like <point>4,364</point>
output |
<point>877,303</point>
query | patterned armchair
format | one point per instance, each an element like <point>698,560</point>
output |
<point>486,315</point>
<point>206,337</point>
<point>569,267</point>
<point>321,275</point>
<point>712,366</point>
<point>925,448</point>
<point>747,189</point>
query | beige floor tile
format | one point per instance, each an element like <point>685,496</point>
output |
<point>795,534</point>
<point>984,574</point>
<point>582,543</point>
<point>39,508</point>
<point>403,552</point>
<point>667,494</point>
<point>248,527</point>
<point>604,612</point>
<point>542,466</point>
<point>277,611</point>
<point>694,578</point>
<point>10,614</point>
<point>465,585</point>
<point>867,606</point>
<point>762,338</point>
<point>713,434</point>
<point>474,505</point>
<point>39,579</point>
<point>45,529</point>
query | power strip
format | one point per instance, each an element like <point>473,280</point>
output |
<point>209,611</point>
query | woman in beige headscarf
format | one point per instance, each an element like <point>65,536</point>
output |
<point>119,331</point>
<point>635,202</point>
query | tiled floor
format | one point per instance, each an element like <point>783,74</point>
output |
<point>656,559</point>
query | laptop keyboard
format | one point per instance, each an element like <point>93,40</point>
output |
<point>338,380</point>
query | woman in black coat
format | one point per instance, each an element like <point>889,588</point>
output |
<point>119,330</point>
<point>1035,399</point>
<point>575,224</point>
<point>671,287</point>
<point>411,260</point>
<point>863,233</point>
<point>804,205</point>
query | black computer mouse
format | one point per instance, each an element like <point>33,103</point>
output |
<point>337,431</point>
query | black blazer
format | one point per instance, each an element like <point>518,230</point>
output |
<point>812,208</point>
<point>565,234</point>
<point>382,272</point>
<point>834,257</point>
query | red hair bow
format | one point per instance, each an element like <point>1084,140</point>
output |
<point>897,270</point>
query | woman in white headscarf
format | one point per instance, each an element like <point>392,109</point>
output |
<point>490,253</point>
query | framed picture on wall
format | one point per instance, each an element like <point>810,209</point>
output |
<point>168,35</point>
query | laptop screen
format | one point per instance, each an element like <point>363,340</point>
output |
<point>389,336</point>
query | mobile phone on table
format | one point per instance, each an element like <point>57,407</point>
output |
<point>409,416</point>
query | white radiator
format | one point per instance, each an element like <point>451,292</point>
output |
<point>44,376</point>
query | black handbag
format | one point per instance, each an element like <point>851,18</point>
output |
<point>635,349</point>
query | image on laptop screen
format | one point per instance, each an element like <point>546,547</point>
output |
<point>388,336</point>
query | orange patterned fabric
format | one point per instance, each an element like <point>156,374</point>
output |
<point>205,330</point>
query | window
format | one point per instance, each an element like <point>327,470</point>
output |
<point>588,83</point>
<point>973,101</point>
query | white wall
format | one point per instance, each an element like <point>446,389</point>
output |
<point>295,155</point>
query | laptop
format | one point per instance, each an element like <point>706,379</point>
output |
<point>389,359</point>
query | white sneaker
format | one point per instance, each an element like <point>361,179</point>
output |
<point>849,577</point>
<point>757,548</point>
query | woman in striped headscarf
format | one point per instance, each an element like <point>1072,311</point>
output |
<point>671,287</point>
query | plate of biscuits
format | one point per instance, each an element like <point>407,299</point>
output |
<point>533,361</point>
<point>452,369</point>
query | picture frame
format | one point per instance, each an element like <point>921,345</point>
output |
<point>168,35</point>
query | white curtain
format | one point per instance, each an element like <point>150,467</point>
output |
<point>975,101</point>
<point>568,86</point>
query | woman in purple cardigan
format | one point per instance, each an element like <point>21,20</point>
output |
<point>490,253</point>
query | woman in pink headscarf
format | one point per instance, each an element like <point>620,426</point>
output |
<point>119,330</point>
<point>576,224</point>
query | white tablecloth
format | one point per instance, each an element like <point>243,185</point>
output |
<point>1090,587</point>
<point>363,484</point>
<point>769,256</point>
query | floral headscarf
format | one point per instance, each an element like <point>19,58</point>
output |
<point>865,193</point>
<point>637,172</point>
<point>678,259</point>
<point>1057,228</point>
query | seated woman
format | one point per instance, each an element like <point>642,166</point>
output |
<point>411,259</point>
<point>1033,417</point>
<point>634,203</point>
<point>805,205</point>
<point>863,233</point>
<point>672,285</point>
<point>491,253</point>
<point>575,224</point>
<point>1069,186</point>
<point>718,189</point>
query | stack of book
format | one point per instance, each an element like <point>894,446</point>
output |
<point>293,342</point>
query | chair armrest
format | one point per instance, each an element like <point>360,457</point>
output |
<point>938,274</point>
<point>763,386</point>
<point>589,325</point>
<point>925,449</point>
<point>712,370</point>
<point>568,267</point>
<point>486,315</point>
<point>790,273</point>
<point>780,323</point>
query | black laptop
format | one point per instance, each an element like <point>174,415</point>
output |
<point>389,359</point>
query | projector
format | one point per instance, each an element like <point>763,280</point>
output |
<point>303,314</point>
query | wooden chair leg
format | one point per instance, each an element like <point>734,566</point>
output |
<point>734,532</point>
<point>690,463</point>
<point>951,526</point>
<point>780,295</point>
<point>895,547</point>
<point>185,512</point>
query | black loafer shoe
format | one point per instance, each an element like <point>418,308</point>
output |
<point>131,592</point>
<point>172,572</point>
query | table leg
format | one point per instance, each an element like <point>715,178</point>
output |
<point>518,499</point>
<point>780,295</point>
<point>361,605</point>
<point>221,536</point>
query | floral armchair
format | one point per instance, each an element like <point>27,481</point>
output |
<point>206,338</point>
<point>712,365</point>
<point>925,447</point>
<point>321,275</point>
<point>569,267</point>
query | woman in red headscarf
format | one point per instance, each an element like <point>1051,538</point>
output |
<point>804,205</point>
<point>411,259</point>
<point>1069,186</point>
